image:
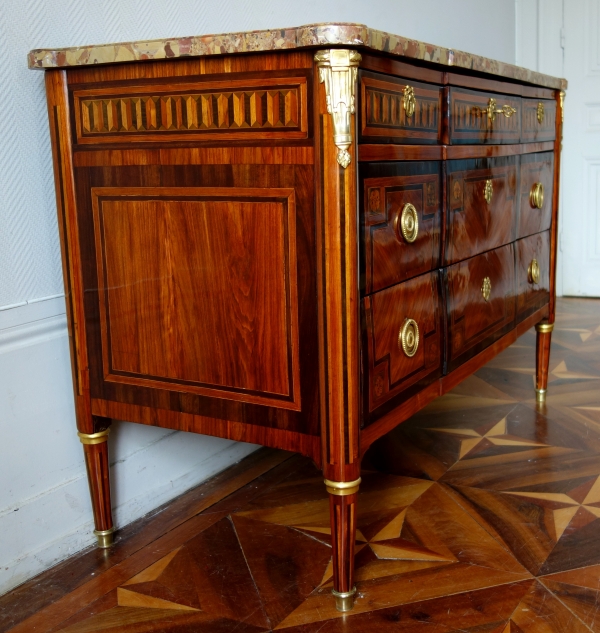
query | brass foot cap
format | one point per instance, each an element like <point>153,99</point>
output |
<point>544,327</point>
<point>540,395</point>
<point>105,537</point>
<point>344,601</point>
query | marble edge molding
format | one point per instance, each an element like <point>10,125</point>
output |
<point>334,34</point>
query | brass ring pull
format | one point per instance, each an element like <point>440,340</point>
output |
<point>533,272</point>
<point>408,337</point>
<point>491,111</point>
<point>536,197</point>
<point>407,223</point>
<point>488,192</point>
<point>486,288</point>
<point>408,100</point>
<point>540,112</point>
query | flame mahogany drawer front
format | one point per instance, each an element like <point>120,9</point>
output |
<point>401,216</point>
<point>481,205</point>
<point>533,273</point>
<point>480,303</point>
<point>537,171</point>
<point>484,117</point>
<point>539,120</point>
<point>402,327</point>
<point>395,110</point>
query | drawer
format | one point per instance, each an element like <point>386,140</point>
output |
<point>411,309</point>
<point>401,218</point>
<point>484,117</point>
<point>533,273</point>
<point>481,303</point>
<point>397,110</point>
<point>481,206</point>
<point>535,201</point>
<point>539,120</point>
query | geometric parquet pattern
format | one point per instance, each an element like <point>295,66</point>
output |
<point>479,514</point>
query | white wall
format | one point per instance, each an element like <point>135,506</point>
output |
<point>45,512</point>
<point>539,42</point>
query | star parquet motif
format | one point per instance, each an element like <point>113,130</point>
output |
<point>479,514</point>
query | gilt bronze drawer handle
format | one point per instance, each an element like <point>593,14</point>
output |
<point>408,338</point>
<point>533,272</point>
<point>491,111</point>
<point>536,197</point>
<point>540,112</point>
<point>409,101</point>
<point>488,192</point>
<point>407,223</point>
<point>486,288</point>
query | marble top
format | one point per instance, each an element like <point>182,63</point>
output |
<point>335,34</point>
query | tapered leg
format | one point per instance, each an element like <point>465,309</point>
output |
<point>95,449</point>
<point>544,335</point>
<point>342,508</point>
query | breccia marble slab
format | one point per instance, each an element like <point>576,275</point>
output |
<point>332,34</point>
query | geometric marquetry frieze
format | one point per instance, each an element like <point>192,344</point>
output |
<point>269,112</point>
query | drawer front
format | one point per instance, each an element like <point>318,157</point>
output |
<point>401,221</point>
<point>481,303</point>
<point>481,206</point>
<point>399,111</point>
<point>533,273</point>
<point>391,369</point>
<point>484,117</point>
<point>535,201</point>
<point>539,120</point>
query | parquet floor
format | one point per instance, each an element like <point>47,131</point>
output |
<point>480,514</point>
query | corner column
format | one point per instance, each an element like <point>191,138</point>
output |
<point>338,305</point>
<point>92,430</point>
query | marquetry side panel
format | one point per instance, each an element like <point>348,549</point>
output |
<point>197,290</point>
<point>384,113</point>
<point>271,108</point>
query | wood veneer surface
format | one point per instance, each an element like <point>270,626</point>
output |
<point>480,522</point>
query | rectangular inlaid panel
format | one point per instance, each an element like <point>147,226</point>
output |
<point>481,207</point>
<point>273,107</point>
<point>535,207</point>
<point>472,122</point>
<point>481,303</point>
<point>539,120</point>
<point>396,110</point>
<point>533,273</point>
<point>401,217</point>
<point>391,370</point>
<point>197,290</point>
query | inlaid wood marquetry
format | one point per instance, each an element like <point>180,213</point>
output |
<point>198,247</point>
<point>387,114</point>
<point>470,122</point>
<point>391,370</point>
<point>277,110</point>
<point>298,249</point>
<point>539,120</point>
